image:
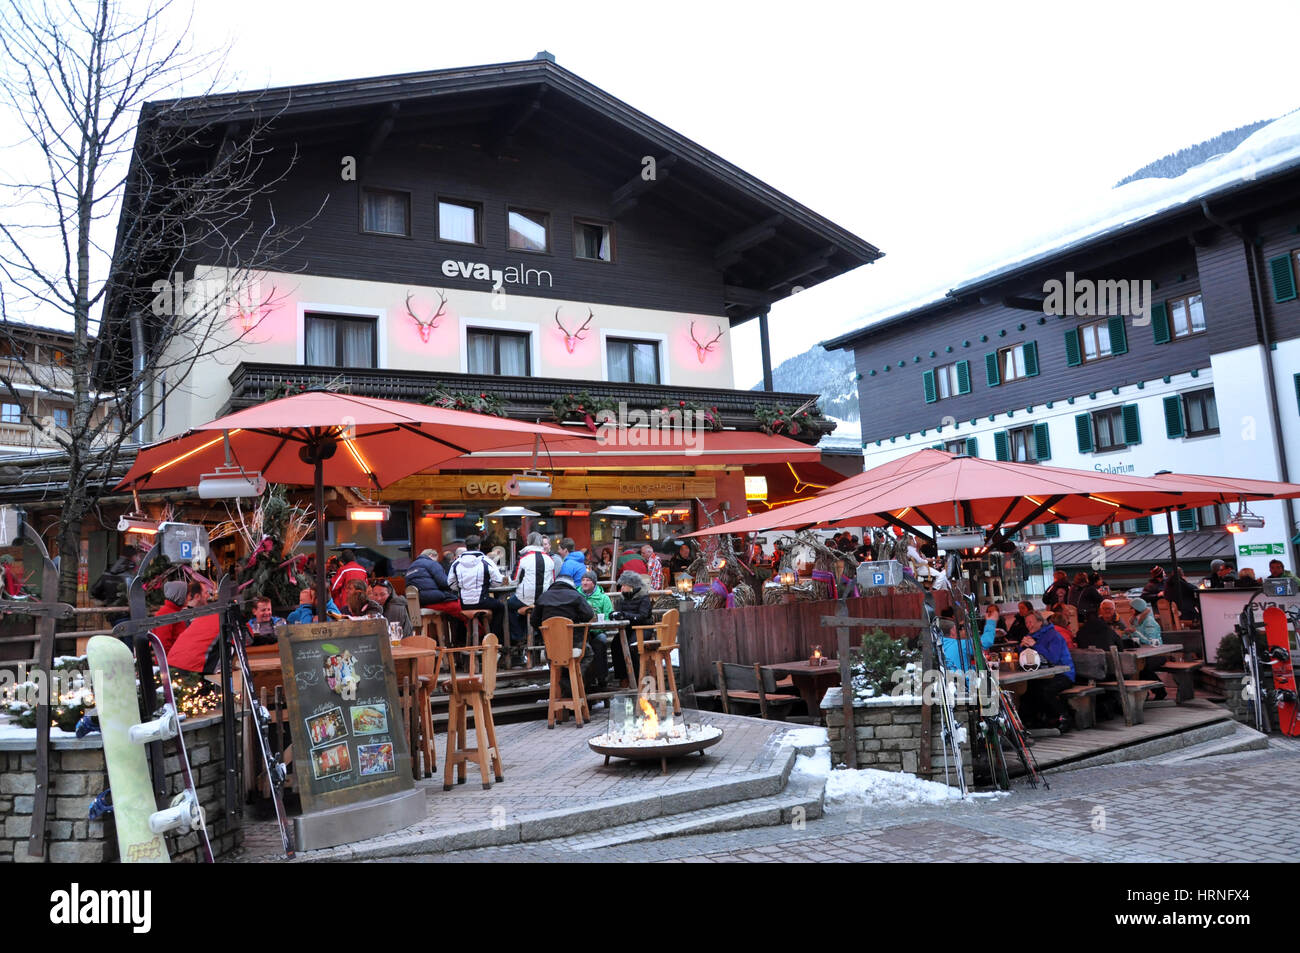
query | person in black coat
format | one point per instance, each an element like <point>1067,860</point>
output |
<point>1090,598</point>
<point>1182,593</point>
<point>1017,630</point>
<point>427,575</point>
<point>636,610</point>
<point>1058,590</point>
<point>563,601</point>
<point>1099,631</point>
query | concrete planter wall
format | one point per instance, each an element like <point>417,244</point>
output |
<point>1227,685</point>
<point>78,774</point>
<point>887,735</point>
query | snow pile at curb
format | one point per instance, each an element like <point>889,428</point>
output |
<point>807,737</point>
<point>871,787</point>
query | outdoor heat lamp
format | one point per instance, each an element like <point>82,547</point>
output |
<point>1113,541</point>
<point>133,523</point>
<point>230,482</point>
<point>960,537</point>
<point>506,511</point>
<point>1244,520</point>
<point>529,483</point>
<point>369,513</point>
<point>619,511</point>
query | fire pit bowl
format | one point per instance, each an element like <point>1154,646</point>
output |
<point>651,726</point>
<point>699,737</point>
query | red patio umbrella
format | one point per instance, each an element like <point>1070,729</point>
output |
<point>319,436</point>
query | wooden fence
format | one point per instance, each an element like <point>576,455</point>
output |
<point>776,633</point>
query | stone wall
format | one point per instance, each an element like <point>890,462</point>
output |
<point>1227,685</point>
<point>887,735</point>
<point>78,774</point>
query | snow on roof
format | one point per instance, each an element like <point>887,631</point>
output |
<point>1271,149</point>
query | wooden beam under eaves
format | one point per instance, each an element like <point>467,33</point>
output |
<point>379,132</point>
<point>626,195</point>
<point>733,249</point>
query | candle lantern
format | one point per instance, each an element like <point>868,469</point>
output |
<point>788,577</point>
<point>685,584</point>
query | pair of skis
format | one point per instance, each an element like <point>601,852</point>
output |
<point>952,762</point>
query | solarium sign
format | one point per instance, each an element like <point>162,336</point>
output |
<point>499,277</point>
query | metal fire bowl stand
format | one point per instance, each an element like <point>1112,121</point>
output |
<point>660,753</point>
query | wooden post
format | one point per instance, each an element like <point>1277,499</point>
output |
<point>927,664</point>
<point>849,731</point>
<point>45,659</point>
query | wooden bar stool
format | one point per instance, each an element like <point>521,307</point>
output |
<point>563,655</point>
<point>472,691</point>
<point>657,654</point>
<point>478,622</point>
<point>427,670</point>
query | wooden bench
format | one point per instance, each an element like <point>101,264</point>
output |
<point>750,685</point>
<point>1132,694</point>
<point>1184,676</point>
<point>1083,704</point>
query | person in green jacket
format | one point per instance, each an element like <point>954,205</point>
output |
<point>597,598</point>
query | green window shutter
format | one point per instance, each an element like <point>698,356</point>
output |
<point>1283,278</point>
<point>991,369</point>
<point>937,446</point>
<point>1186,520</point>
<point>1053,530</point>
<point>1002,445</point>
<point>1118,336</point>
<point>1296,380</point>
<point>1160,322</point>
<point>1083,431</point>
<point>1042,444</point>
<point>931,392</point>
<point>1094,532</point>
<point>1073,353</point>
<point>1143,527</point>
<point>972,447</point>
<point>1173,416</point>
<point>963,377</point>
<point>1031,359</point>
<point>1132,429</point>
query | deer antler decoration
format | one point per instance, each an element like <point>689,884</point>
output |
<point>702,349</point>
<point>250,314</point>
<point>427,325</point>
<point>572,338</point>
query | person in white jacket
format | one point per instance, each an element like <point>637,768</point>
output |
<point>534,573</point>
<point>471,577</point>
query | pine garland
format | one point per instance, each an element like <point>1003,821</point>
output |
<point>778,419</point>
<point>483,403</point>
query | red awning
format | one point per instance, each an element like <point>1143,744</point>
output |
<point>713,448</point>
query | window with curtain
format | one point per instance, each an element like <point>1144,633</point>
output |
<point>338,341</point>
<point>529,230</point>
<point>1095,339</point>
<point>1011,360</point>
<point>1201,413</point>
<point>459,222</point>
<point>592,241</point>
<point>386,213</point>
<point>1108,428</point>
<point>1186,316</point>
<point>633,362</point>
<point>498,352</point>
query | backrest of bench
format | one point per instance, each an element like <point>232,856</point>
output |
<point>743,678</point>
<point>1090,663</point>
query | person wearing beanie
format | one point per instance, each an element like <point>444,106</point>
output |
<point>635,610</point>
<point>175,594</point>
<point>596,596</point>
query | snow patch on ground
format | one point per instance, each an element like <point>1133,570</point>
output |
<point>870,787</point>
<point>14,732</point>
<point>806,737</point>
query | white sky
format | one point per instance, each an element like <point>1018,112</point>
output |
<point>943,133</point>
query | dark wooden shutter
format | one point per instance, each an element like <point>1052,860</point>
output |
<point>1283,278</point>
<point>1002,445</point>
<point>1094,532</point>
<point>1160,322</point>
<point>931,392</point>
<point>991,370</point>
<point>1174,416</point>
<point>1118,336</point>
<point>1042,443</point>
<point>1083,431</point>
<point>1132,427</point>
<point>1073,352</point>
<point>937,446</point>
<point>963,377</point>
<point>1031,359</point>
<point>972,447</point>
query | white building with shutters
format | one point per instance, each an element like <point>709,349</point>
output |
<point>1202,377</point>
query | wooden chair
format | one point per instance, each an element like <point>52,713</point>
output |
<point>657,654</point>
<point>752,684</point>
<point>472,691</point>
<point>427,670</point>
<point>1165,614</point>
<point>563,656</point>
<point>477,623</point>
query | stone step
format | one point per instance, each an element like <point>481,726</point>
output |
<point>1155,747</point>
<point>1244,738</point>
<point>802,800</point>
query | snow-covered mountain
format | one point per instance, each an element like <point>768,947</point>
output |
<point>818,371</point>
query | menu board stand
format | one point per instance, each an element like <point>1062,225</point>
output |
<point>351,758</point>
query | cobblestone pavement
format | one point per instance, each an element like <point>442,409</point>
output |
<point>554,771</point>
<point>1241,807</point>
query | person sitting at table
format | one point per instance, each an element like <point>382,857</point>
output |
<point>1221,575</point>
<point>1061,620</point>
<point>654,566</point>
<point>393,608</point>
<point>347,573</point>
<point>1058,590</point>
<point>472,575</point>
<point>305,611</point>
<point>636,611</point>
<point>357,602</point>
<point>1042,706</point>
<point>1277,570</point>
<point>1099,632</point>
<point>1145,630</point>
<point>631,560</point>
<point>957,653</point>
<point>575,561</point>
<point>563,601</point>
<point>1017,629</point>
<point>1246,579</point>
<point>534,573</point>
<point>596,596</point>
<point>1155,584</point>
<point>261,628</point>
<point>681,561</point>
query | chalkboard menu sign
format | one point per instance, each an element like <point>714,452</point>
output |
<point>348,739</point>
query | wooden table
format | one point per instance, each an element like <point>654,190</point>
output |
<point>1015,678</point>
<point>621,625</point>
<point>810,681</point>
<point>406,659</point>
<point>1185,689</point>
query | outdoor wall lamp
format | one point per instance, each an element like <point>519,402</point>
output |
<point>133,523</point>
<point>1113,541</point>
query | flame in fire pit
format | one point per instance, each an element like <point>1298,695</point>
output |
<point>649,724</point>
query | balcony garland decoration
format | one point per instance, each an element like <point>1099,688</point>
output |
<point>777,418</point>
<point>582,406</point>
<point>480,403</point>
<point>288,388</point>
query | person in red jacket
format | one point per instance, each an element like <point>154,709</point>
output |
<point>195,648</point>
<point>175,595</point>
<point>339,584</point>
